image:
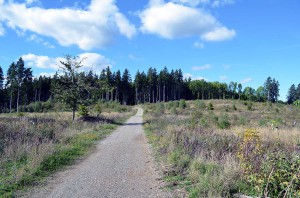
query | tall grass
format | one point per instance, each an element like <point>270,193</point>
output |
<point>37,145</point>
<point>222,151</point>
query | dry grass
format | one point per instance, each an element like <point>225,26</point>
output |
<point>206,148</point>
<point>30,144</point>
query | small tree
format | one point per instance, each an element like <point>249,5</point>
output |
<point>69,88</point>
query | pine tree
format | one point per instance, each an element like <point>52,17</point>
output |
<point>292,94</point>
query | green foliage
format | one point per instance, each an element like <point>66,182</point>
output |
<point>200,104</point>
<point>234,107</point>
<point>224,122</point>
<point>297,103</point>
<point>98,109</point>
<point>83,111</point>
<point>159,108</point>
<point>182,104</point>
<point>250,106</point>
<point>210,106</point>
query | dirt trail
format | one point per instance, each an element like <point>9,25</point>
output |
<point>121,166</point>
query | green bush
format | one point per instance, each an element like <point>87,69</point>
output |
<point>159,108</point>
<point>182,104</point>
<point>83,111</point>
<point>234,107</point>
<point>210,106</point>
<point>98,109</point>
<point>223,122</point>
<point>199,104</point>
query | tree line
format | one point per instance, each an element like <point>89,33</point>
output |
<point>19,88</point>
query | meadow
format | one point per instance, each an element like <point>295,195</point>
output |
<point>34,145</point>
<point>227,148</point>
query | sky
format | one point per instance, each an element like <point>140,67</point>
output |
<point>244,41</point>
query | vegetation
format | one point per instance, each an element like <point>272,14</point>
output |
<point>19,90</point>
<point>33,145</point>
<point>224,151</point>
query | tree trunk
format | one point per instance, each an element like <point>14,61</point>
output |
<point>153,96</point>
<point>164,93</point>
<point>136,96</point>
<point>10,101</point>
<point>18,97</point>
<point>73,114</point>
<point>159,92</point>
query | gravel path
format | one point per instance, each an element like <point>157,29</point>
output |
<point>121,166</point>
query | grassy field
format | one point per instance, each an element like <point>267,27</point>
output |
<point>34,145</point>
<point>222,148</point>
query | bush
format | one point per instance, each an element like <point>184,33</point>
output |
<point>223,122</point>
<point>98,109</point>
<point>250,106</point>
<point>83,111</point>
<point>210,106</point>
<point>159,108</point>
<point>182,104</point>
<point>174,111</point>
<point>199,104</point>
<point>234,107</point>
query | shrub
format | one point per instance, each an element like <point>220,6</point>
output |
<point>159,108</point>
<point>250,106</point>
<point>210,106</point>
<point>203,122</point>
<point>182,104</point>
<point>174,111</point>
<point>98,109</point>
<point>223,122</point>
<point>83,111</point>
<point>234,107</point>
<point>297,103</point>
<point>199,104</point>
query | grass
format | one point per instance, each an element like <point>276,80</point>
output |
<point>39,144</point>
<point>219,148</point>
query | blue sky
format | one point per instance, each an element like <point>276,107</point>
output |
<point>218,40</point>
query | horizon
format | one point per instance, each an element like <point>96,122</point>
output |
<point>215,40</point>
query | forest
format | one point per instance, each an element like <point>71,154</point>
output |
<point>20,91</point>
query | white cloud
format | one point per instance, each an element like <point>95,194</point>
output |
<point>39,40</point>
<point>223,78</point>
<point>203,67</point>
<point>91,61</point>
<point>94,27</point>
<point>219,34</point>
<point>226,67</point>
<point>172,20</point>
<point>2,31</point>
<point>30,2</point>
<point>134,58</point>
<point>246,80</point>
<point>218,3</point>
<point>198,45</point>
<point>212,3</point>
<point>188,75</point>
<point>46,74</point>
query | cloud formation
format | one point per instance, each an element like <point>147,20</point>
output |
<point>212,3</point>
<point>175,20</point>
<point>246,80</point>
<point>94,27</point>
<point>188,75</point>
<point>203,67</point>
<point>198,45</point>
<point>91,61</point>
